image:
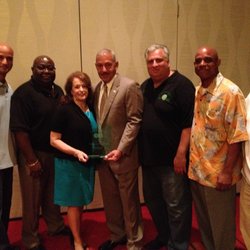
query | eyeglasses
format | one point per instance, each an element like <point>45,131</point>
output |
<point>205,59</point>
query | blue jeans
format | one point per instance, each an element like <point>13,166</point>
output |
<point>168,198</point>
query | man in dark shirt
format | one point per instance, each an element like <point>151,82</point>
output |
<point>32,108</point>
<point>163,149</point>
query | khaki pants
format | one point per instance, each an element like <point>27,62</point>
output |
<point>37,193</point>
<point>216,216</point>
<point>245,212</point>
<point>122,205</point>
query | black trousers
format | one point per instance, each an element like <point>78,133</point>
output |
<point>168,198</point>
<point>6,178</point>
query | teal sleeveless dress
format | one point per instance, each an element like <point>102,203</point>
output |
<point>74,182</point>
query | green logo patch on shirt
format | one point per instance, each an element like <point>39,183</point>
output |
<point>166,97</point>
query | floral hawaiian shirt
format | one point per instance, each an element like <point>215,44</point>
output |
<point>219,120</point>
<point>246,151</point>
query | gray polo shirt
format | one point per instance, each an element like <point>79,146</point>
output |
<point>7,156</point>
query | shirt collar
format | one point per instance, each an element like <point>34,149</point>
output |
<point>213,86</point>
<point>2,83</point>
<point>109,84</point>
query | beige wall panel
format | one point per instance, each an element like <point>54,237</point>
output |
<point>128,27</point>
<point>223,24</point>
<point>41,27</point>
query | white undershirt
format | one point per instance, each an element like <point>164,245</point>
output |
<point>7,157</point>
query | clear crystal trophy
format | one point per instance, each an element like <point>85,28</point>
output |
<point>100,144</point>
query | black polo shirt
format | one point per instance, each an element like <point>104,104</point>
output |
<point>32,109</point>
<point>168,109</point>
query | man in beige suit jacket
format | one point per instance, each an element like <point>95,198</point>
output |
<point>119,123</point>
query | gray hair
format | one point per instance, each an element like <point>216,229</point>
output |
<point>154,47</point>
<point>107,51</point>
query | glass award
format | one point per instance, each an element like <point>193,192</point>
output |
<point>98,151</point>
<point>101,143</point>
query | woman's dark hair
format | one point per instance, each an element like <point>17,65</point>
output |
<point>69,83</point>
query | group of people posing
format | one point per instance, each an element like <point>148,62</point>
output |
<point>188,142</point>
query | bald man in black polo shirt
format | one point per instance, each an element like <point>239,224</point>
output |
<point>32,108</point>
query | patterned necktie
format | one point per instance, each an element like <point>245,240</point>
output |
<point>103,100</point>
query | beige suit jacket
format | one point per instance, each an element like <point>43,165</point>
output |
<point>120,123</point>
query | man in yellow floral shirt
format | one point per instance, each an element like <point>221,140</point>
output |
<point>219,128</point>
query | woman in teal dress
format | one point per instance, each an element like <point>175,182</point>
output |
<point>72,133</point>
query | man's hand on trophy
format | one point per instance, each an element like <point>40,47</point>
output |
<point>114,155</point>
